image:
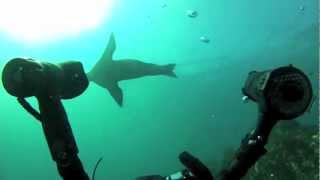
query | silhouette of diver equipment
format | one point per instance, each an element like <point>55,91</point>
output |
<point>50,83</point>
<point>195,170</point>
<point>281,94</point>
<point>286,92</point>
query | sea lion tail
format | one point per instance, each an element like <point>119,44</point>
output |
<point>169,70</point>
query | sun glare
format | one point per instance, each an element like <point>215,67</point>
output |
<point>43,20</point>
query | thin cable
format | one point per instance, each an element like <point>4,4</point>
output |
<point>95,168</point>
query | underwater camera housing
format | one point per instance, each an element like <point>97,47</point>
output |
<point>27,77</point>
<point>283,93</point>
<point>196,170</point>
<point>286,91</point>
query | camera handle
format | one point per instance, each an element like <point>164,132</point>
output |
<point>59,136</point>
<point>251,149</point>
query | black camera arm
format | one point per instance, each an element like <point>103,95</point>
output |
<point>251,149</point>
<point>59,136</point>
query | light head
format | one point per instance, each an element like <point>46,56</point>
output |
<point>27,77</point>
<point>286,92</point>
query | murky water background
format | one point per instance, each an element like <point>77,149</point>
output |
<point>201,111</point>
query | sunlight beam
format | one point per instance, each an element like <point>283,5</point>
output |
<point>43,20</point>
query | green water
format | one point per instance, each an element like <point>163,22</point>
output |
<point>201,111</point>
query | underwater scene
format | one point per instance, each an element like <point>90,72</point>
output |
<point>159,90</point>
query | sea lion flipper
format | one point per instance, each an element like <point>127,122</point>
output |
<point>111,47</point>
<point>116,93</point>
<point>99,68</point>
<point>169,70</point>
